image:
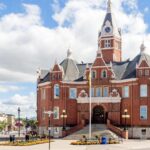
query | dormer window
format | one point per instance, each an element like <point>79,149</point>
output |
<point>93,74</point>
<point>104,74</point>
<point>56,91</point>
<point>140,73</point>
<point>107,43</point>
<point>146,72</point>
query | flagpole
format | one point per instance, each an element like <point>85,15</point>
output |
<point>90,104</point>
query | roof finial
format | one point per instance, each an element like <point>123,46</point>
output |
<point>109,6</point>
<point>142,47</point>
<point>69,53</point>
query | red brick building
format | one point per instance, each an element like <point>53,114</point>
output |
<point>116,85</point>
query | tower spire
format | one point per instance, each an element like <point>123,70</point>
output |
<point>109,6</point>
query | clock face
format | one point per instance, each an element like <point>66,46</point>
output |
<point>107,29</point>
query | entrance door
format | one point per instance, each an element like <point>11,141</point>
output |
<point>98,115</point>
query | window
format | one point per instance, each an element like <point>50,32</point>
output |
<point>72,93</point>
<point>143,90</point>
<point>143,112</point>
<point>125,91</point>
<point>93,74</point>
<point>43,93</point>
<point>105,91</point>
<point>56,91</point>
<point>98,92</point>
<point>104,74</point>
<point>146,72</point>
<point>92,92</point>
<point>107,43</point>
<point>140,73</point>
<point>56,113</point>
<point>43,113</point>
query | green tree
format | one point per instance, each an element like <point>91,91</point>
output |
<point>3,125</point>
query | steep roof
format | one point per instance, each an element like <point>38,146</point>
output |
<point>71,71</point>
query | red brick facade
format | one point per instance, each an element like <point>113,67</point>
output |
<point>109,101</point>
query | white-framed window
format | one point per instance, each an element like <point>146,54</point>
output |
<point>93,74</point>
<point>92,92</point>
<point>43,113</point>
<point>56,113</point>
<point>125,91</point>
<point>143,112</point>
<point>56,91</point>
<point>56,130</point>
<point>105,92</point>
<point>146,72</point>
<point>143,90</point>
<point>104,74</point>
<point>72,93</point>
<point>98,92</point>
<point>140,73</point>
<point>43,93</point>
<point>107,43</point>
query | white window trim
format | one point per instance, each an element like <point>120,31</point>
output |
<point>56,97</point>
<point>124,92</point>
<point>146,72</point>
<point>107,91</point>
<point>43,93</point>
<point>56,108</point>
<point>144,106</point>
<point>103,72</point>
<point>107,43</point>
<point>143,94</point>
<point>100,89</point>
<point>92,74</point>
<point>70,97</point>
<point>140,73</point>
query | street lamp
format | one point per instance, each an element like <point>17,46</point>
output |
<point>125,116</point>
<point>64,116</point>
<point>19,121</point>
<point>49,113</point>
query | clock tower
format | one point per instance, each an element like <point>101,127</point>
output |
<point>109,38</point>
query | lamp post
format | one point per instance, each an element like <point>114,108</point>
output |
<point>125,116</point>
<point>49,113</point>
<point>64,116</point>
<point>19,121</point>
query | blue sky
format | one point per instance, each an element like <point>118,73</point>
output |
<point>29,32</point>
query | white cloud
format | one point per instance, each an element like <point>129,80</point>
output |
<point>27,104</point>
<point>26,44</point>
<point>9,88</point>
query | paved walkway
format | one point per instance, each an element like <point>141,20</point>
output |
<point>65,145</point>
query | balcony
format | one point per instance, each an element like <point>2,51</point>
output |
<point>99,99</point>
<point>114,97</point>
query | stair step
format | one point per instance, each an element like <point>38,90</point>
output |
<point>97,129</point>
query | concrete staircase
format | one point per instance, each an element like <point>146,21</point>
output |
<point>97,129</point>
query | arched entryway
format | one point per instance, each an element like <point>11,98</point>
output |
<point>99,115</point>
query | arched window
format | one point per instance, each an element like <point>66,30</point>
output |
<point>93,74</point>
<point>56,91</point>
<point>104,74</point>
